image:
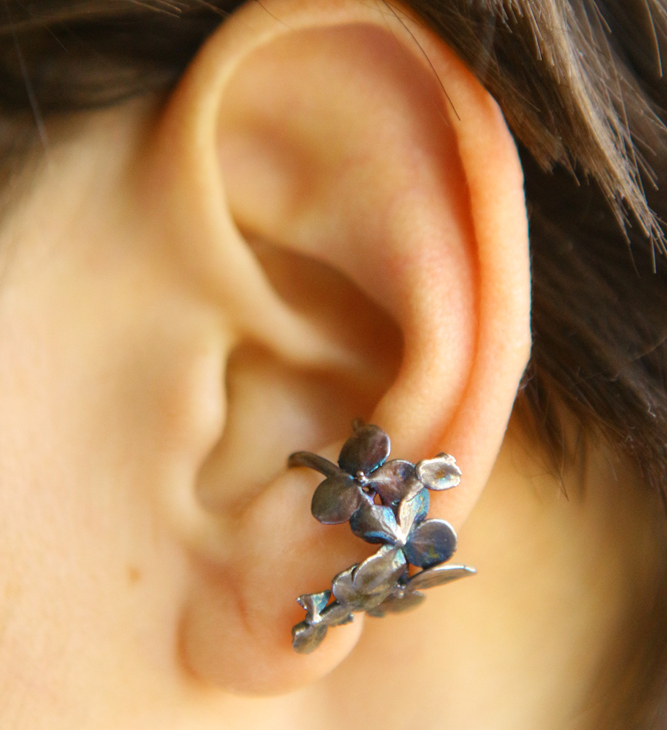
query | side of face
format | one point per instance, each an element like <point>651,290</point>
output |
<point>307,230</point>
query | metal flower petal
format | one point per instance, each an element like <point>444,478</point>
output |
<point>314,603</point>
<point>379,574</point>
<point>365,450</point>
<point>307,637</point>
<point>431,543</point>
<point>345,592</point>
<point>438,575</point>
<point>406,597</point>
<point>336,615</point>
<point>393,480</point>
<point>309,634</point>
<point>375,523</point>
<point>439,473</point>
<point>336,499</point>
<point>398,601</point>
<point>364,586</point>
<point>412,512</point>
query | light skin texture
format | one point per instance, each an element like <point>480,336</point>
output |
<point>305,231</point>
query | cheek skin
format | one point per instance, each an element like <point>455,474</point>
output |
<point>109,386</point>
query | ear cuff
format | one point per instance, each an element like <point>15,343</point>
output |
<point>385,502</point>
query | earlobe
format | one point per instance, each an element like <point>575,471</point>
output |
<point>320,140</point>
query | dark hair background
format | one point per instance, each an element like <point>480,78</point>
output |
<point>581,86</point>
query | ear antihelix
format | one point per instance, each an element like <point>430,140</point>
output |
<point>319,181</point>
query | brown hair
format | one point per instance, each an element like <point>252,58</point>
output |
<point>581,86</point>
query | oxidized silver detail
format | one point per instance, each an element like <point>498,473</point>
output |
<point>385,502</point>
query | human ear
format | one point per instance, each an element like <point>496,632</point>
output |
<point>347,199</point>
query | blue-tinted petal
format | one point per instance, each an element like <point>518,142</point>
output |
<point>430,543</point>
<point>439,473</point>
<point>392,480</point>
<point>374,523</point>
<point>365,450</point>
<point>437,576</point>
<point>314,603</point>
<point>336,500</point>
<point>412,512</point>
<point>307,637</point>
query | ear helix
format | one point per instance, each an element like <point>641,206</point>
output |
<point>385,502</point>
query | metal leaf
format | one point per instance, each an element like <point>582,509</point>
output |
<point>336,615</point>
<point>374,523</point>
<point>314,603</point>
<point>379,574</point>
<point>398,602</point>
<point>345,592</point>
<point>336,500</point>
<point>412,512</point>
<point>431,543</point>
<point>349,595</point>
<point>412,486</point>
<point>365,450</point>
<point>439,473</point>
<point>437,576</point>
<point>307,637</point>
<point>391,481</point>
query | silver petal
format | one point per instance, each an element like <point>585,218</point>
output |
<point>413,511</point>
<point>365,450</point>
<point>439,473</point>
<point>336,499</point>
<point>438,575</point>
<point>379,574</point>
<point>364,586</point>
<point>412,486</point>
<point>336,615</point>
<point>314,603</point>
<point>391,481</point>
<point>431,543</point>
<point>307,637</point>
<point>398,602</point>
<point>345,592</point>
<point>374,523</point>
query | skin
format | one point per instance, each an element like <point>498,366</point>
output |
<point>152,542</point>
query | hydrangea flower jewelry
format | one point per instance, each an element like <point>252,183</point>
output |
<point>385,502</point>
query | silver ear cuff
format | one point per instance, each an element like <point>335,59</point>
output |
<point>385,502</point>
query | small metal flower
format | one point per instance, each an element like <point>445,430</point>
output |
<point>385,502</point>
<point>423,542</point>
<point>362,473</point>
<point>346,487</point>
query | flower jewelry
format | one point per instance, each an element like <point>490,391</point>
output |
<point>385,502</point>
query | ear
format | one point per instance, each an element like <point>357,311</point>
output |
<point>348,199</point>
